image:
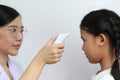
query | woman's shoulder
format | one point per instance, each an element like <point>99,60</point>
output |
<point>14,66</point>
<point>12,62</point>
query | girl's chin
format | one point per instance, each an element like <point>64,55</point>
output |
<point>93,62</point>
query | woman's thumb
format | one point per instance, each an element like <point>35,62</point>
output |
<point>52,40</point>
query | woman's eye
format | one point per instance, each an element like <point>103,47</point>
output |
<point>21,31</point>
<point>13,30</point>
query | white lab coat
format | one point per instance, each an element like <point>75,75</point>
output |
<point>15,70</point>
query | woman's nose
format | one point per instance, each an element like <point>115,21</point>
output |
<point>19,36</point>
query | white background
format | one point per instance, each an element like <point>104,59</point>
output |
<point>44,19</point>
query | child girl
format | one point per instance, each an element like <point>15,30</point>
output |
<point>100,32</point>
<point>11,36</point>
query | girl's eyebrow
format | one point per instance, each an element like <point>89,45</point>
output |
<point>82,38</point>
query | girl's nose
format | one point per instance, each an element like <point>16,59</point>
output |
<point>83,47</point>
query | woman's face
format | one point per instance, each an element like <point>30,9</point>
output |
<point>90,47</point>
<point>11,37</point>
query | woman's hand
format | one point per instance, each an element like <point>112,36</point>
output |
<point>51,53</point>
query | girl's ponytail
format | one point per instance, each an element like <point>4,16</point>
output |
<point>115,70</point>
<point>115,23</point>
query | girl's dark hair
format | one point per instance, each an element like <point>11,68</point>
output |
<point>7,14</point>
<point>107,22</point>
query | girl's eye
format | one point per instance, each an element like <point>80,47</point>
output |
<point>83,40</point>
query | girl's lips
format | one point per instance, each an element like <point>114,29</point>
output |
<point>86,55</point>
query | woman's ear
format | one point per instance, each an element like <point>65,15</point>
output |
<point>101,39</point>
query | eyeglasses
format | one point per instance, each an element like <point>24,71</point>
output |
<point>15,31</point>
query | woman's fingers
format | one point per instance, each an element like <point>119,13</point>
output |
<point>54,56</point>
<point>52,53</point>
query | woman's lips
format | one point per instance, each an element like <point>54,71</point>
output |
<point>16,46</point>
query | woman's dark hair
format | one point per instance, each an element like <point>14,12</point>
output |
<point>7,14</point>
<point>107,22</point>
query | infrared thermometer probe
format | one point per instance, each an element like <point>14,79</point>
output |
<point>61,38</point>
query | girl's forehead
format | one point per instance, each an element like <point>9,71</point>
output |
<point>86,34</point>
<point>83,32</point>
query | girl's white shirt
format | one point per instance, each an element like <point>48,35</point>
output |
<point>104,75</point>
<point>15,70</point>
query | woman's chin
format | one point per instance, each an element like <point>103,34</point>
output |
<point>14,53</point>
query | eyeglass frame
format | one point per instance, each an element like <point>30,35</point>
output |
<point>14,31</point>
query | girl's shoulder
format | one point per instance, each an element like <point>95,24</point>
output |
<point>104,75</point>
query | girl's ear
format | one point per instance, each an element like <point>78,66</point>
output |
<point>101,39</point>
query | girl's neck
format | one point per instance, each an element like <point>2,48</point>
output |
<point>107,62</point>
